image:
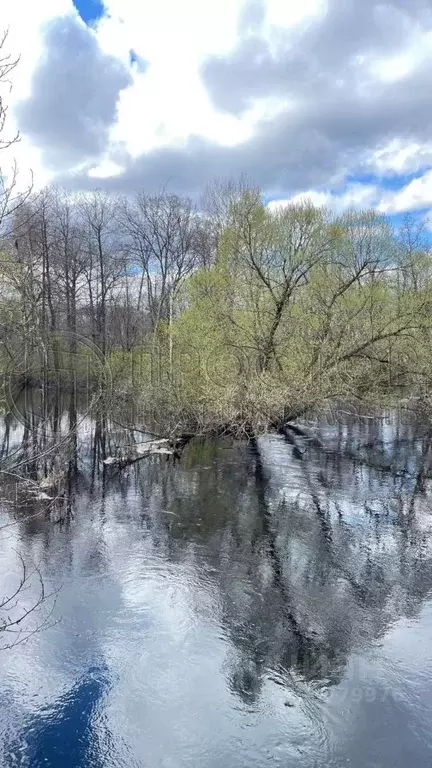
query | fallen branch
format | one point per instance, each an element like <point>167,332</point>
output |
<point>163,446</point>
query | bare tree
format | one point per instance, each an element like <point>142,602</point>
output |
<point>162,231</point>
<point>105,262</point>
<point>69,260</point>
<point>218,204</point>
<point>414,254</point>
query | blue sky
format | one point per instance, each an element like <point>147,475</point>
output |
<point>325,98</point>
<point>89,10</point>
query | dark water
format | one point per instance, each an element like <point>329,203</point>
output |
<point>249,605</point>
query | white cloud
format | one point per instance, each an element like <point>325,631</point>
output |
<point>417,51</point>
<point>399,157</point>
<point>279,13</point>
<point>169,102</point>
<point>24,21</point>
<point>170,111</point>
<point>323,90</point>
<point>169,32</point>
<point>105,169</point>
<point>415,195</point>
<point>353,196</point>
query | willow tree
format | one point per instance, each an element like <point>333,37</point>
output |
<point>357,315</point>
<point>273,255</point>
<point>302,306</point>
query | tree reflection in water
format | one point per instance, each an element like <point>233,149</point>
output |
<point>312,548</point>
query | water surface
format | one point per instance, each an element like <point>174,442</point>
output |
<point>249,605</point>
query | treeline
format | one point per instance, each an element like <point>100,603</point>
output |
<point>96,265</point>
<point>226,313</point>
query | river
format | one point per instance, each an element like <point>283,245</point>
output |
<point>248,605</point>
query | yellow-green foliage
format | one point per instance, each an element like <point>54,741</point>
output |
<point>299,306</point>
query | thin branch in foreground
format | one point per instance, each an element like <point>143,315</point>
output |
<point>20,618</point>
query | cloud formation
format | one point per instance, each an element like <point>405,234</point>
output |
<point>329,98</point>
<point>327,55</point>
<point>352,79</point>
<point>74,95</point>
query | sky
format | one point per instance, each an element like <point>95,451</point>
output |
<point>324,98</point>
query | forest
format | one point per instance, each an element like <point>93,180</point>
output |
<point>227,315</point>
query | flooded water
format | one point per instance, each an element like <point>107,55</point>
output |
<point>248,605</point>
